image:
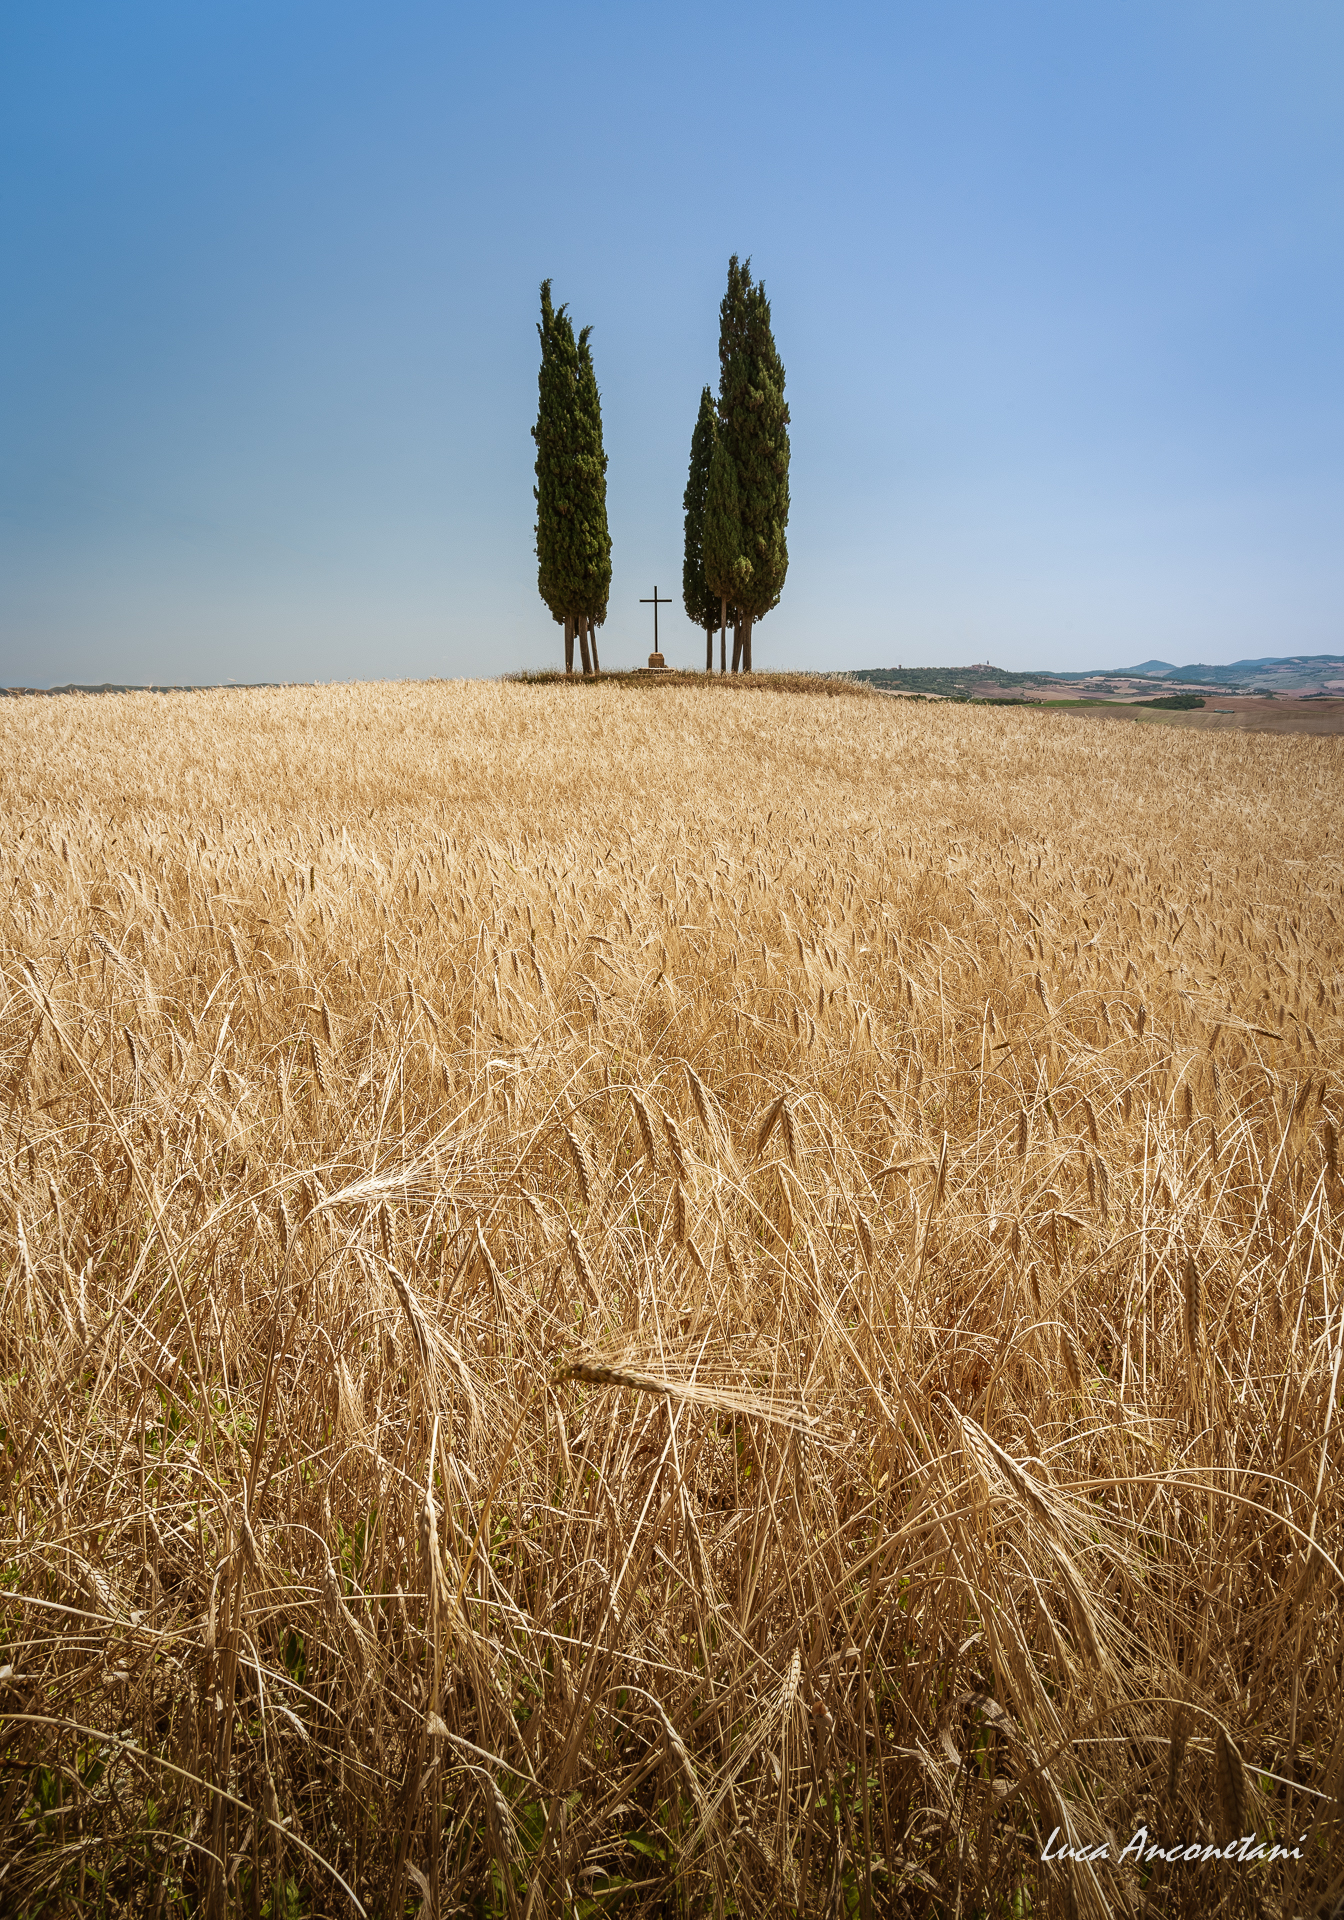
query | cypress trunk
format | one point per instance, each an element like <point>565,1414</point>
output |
<point>583,645</point>
<point>569,643</point>
<point>746,644</point>
<point>737,646</point>
<point>592,641</point>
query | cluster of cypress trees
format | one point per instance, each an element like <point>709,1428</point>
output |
<point>737,492</point>
<point>573,542</point>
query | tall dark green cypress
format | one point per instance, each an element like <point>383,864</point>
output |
<point>553,434</point>
<point>593,537</point>
<point>699,599</point>
<point>753,429</point>
<point>573,543</point>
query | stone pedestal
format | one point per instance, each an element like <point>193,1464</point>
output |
<point>657,664</point>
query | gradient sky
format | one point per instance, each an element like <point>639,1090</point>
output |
<point>1059,289</point>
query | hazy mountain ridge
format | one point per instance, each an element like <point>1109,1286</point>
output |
<point>1300,674</point>
<point>1289,672</point>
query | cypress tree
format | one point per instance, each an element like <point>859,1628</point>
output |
<point>699,599</point>
<point>721,545</point>
<point>753,427</point>
<point>552,434</point>
<point>592,535</point>
<point>573,543</point>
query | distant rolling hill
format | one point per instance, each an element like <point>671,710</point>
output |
<point>1290,673</point>
<point>1296,674</point>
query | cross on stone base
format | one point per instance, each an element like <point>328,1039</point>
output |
<point>657,664</point>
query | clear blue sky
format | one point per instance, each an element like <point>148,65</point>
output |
<point>1059,289</point>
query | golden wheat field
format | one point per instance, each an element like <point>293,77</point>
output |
<point>622,1301</point>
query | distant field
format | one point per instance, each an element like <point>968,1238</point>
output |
<point>1260,713</point>
<point>655,1304</point>
<point>1226,713</point>
<point>1275,696</point>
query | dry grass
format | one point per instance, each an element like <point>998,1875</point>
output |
<point>831,685</point>
<point>652,1304</point>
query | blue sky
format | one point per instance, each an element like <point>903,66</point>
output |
<point>1059,289</point>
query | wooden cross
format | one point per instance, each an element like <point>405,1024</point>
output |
<point>655,603</point>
